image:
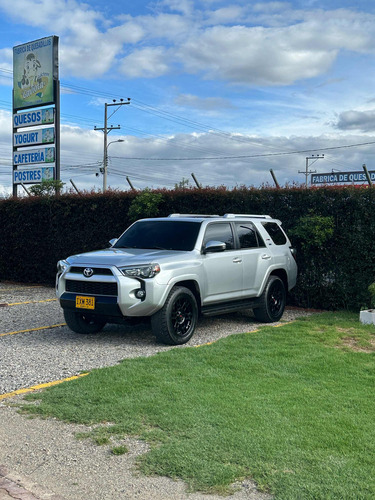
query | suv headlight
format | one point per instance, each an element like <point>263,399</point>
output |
<point>62,265</point>
<point>147,271</point>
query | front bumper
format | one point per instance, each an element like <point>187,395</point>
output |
<point>104,306</point>
<point>115,294</point>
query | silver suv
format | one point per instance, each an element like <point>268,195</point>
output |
<point>175,268</point>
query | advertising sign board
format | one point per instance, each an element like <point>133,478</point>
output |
<point>29,156</point>
<point>34,73</point>
<point>31,118</point>
<point>33,176</point>
<point>34,137</point>
<point>342,178</point>
<point>36,111</point>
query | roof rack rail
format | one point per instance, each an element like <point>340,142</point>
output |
<point>192,215</point>
<point>253,216</point>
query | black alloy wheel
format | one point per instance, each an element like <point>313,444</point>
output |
<point>175,323</point>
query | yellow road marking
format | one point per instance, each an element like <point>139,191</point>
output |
<point>40,386</point>
<point>32,329</point>
<point>31,302</point>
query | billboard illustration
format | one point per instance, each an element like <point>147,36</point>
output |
<point>34,68</point>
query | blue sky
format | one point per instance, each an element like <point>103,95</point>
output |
<point>217,88</point>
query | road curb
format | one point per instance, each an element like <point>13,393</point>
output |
<point>13,485</point>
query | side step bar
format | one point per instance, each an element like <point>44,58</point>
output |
<point>227,307</point>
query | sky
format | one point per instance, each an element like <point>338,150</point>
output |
<point>226,90</point>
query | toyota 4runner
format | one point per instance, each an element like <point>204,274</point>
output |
<point>175,268</point>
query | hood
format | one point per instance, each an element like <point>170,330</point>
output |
<point>123,257</point>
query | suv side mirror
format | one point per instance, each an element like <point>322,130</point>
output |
<point>113,241</point>
<point>214,246</point>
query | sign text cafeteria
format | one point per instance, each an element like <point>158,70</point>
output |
<point>341,177</point>
<point>45,155</point>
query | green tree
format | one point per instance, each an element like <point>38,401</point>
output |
<point>146,204</point>
<point>313,230</point>
<point>47,188</point>
<point>183,184</point>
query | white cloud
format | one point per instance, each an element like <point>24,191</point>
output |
<point>82,153</point>
<point>61,14</point>
<point>203,103</point>
<point>186,7</point>
<point>253,56</point>
<point>6,67</point>
<point>285,46</point>
<point>357,120</point>
<point>130,32</point>
<point>271,6</point>
<point>5,127</point>
<point>225,15</point>
<point>147,63</point>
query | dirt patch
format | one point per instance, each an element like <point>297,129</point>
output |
<point>354,345</point>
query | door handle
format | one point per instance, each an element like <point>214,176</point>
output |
<point>265,256</point>
<point>237,260</point>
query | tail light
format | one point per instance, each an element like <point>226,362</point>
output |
<point>293,251</point>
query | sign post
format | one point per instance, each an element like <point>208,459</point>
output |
<point>36,89</point>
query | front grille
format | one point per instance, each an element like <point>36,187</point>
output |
<point>91,287</point>
<point>102,271</point>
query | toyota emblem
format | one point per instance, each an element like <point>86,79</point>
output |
<point>88,272</point>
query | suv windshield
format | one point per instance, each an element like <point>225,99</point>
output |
<point>165,235</point>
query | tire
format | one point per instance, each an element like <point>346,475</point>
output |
<point>272,301</point>
<point>82,322</point>
<point>175,323</point>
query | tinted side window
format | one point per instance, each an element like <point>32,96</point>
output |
<point>169,235</point>
<point>219,232</point>
<point>276,233</point>
<point>248,236</point>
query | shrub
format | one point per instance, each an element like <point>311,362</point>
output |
<point>332,229</point>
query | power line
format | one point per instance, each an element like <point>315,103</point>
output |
<point>239,157</point>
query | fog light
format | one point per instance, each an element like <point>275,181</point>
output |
<point>140,294</point>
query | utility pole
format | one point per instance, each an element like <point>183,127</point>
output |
<point>307,171</point>
<point>106,131</point>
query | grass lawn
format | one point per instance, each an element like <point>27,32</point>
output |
<point>291,407</point>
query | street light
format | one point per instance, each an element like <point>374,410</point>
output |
<point>105,164</point>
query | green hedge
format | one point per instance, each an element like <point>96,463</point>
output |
<point>333,230</point>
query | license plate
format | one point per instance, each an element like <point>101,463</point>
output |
<point>85,302</point>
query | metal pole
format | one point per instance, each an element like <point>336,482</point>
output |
<point>274,178</point>
<point>75,187</point>
<point>57,133</point>
<point>367,175</point>
<point>130,183</point>
<point>105,159</point>
<point>196,182</point>
<point>25,188</point>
